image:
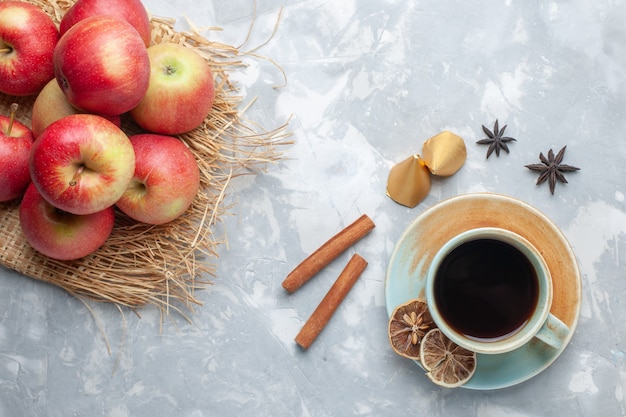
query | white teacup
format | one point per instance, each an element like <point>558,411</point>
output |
<point>490,291</point>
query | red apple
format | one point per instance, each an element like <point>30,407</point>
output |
<point>15,143</point>
<point>59,234</point>
<point>52,105</point>
<point>133,11</point>
<point>102,66</point>
<point>27,40</point>
<point>166,180</point>
<point>181,91</point>
<point>82,163</point>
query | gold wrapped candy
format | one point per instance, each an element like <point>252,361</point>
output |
<point>409,181</point>
<point>442,155</point>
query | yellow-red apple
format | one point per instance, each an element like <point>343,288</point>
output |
<point>165,182</point>
<point>52,105</point>
<point>133,11</point>
<point>102,66</point>
<point>16,141</point>
<point>82,163</point>
<point>27,40</point>
<point>181,91</point>
<point>59,234</point>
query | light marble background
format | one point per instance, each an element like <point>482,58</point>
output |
<point>367,83</point>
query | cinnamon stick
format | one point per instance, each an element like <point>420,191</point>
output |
<point>326,253</point>
<point>324,311</point>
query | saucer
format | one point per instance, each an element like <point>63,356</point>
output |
<point>412,255</point>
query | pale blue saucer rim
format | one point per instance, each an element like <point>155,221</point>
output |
<point>493,371</point>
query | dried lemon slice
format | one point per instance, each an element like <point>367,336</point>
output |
<point>447,364</point>
<point>408,324</point>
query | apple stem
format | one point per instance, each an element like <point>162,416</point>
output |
<point>5,50</point>
<point>14,107</point>
<point>78,172</point>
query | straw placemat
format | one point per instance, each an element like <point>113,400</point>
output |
<point>163,265</point>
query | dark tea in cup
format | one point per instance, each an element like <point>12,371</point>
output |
<point>489,290</point>
<point>486,289</point>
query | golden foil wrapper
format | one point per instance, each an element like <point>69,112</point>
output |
<point>444,154</point>
<point>409,181</point>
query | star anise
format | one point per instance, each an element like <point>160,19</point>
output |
<point>495,140</point>
<point>551,168</point>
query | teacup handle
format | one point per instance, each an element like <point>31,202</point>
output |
<point>553,332</point>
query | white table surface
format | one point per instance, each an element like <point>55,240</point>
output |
<point>367,83</point>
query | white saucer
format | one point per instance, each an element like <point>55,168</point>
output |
<point>414,251</point>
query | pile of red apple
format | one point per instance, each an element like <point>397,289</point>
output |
<point>77,167</point>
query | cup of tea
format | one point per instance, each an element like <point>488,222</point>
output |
<point>490,291</point>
